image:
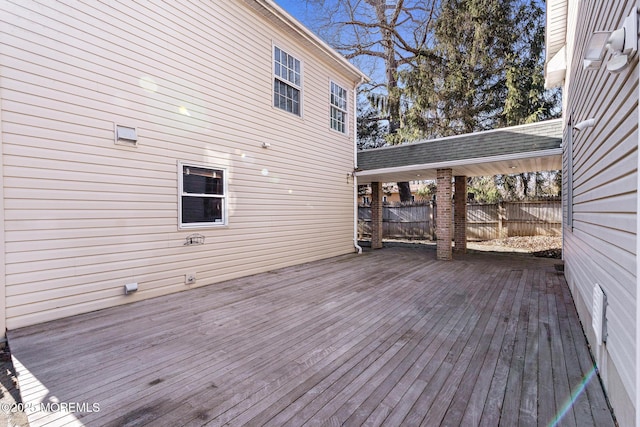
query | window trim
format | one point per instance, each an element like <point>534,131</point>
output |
<point>287,82</point>
<point>224,197</point>
<point>345,111</point>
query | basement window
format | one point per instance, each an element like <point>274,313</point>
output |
<point>203,196</point>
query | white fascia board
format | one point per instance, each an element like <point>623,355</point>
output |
<point>463,162</point>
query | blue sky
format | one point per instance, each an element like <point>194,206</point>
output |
<point>297,8</point>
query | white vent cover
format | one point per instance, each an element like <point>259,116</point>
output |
<point>599,314</point>
<point>125,135</point>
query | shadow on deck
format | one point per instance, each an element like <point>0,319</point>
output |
<point>390,337</point>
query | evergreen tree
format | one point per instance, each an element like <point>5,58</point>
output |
<point>371,132</point>
<point>450,67</point>
<point>486,71</point>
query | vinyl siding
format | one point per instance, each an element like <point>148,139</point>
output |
<point>601,248</point>
<point>84,216</point>
<point>556,26</point>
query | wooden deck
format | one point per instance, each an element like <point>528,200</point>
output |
<point>391,337</point>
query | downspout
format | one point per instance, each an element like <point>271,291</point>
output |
<point>355,168</point>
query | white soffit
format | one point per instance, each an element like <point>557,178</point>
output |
<point>538,161</point>
<point>555,69</point>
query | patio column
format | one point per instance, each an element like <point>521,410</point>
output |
<point>460,215</point>
<point>443,211</point>
<point>376,215</point>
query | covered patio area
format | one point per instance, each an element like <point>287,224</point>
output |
<point>389,337</point>
<point>450,161</point>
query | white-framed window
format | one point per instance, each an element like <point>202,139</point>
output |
<point>366,200</point>
<point>338,108</point>
<point>287,81</point>
<point>202,198</point>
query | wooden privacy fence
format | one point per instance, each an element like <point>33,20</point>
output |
<point>484,221</point>
<point>400,222</point>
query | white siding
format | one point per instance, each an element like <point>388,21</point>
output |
<point>601,248</point>
<point>84,216</point>
<point>556,26</point>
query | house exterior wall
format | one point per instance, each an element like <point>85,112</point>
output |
<point>600,198</point>
<point>84,216</point>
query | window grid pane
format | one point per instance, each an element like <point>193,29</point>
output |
<point>287,67</point>
<point>286,97</point>
<point>286,86</point>
<point>338,101</point>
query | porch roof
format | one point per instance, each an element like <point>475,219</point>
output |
<point>526,148</point>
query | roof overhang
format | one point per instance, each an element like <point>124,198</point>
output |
<point>274,13</point>
<point>536,161</point>
<point>556,31</point>
<point>555,69</point>
<point>533,147</point>
<point>555,42</point>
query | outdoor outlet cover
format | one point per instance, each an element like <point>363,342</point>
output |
<point>190,278</point>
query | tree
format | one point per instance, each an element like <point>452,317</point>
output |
<point>371,131</point>
<point>427,190</point>
<point>391,32</point>
<point>527,100</point>
<point>484,190</point>
<point>478,65</point>
<point>450,67</point>
<point>486,71</point>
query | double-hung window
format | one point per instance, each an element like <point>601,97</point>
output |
<point>287,86</point>
<point>338,108</point>
<point>203,196</point>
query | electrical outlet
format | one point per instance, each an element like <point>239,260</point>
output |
<point>190,278</point>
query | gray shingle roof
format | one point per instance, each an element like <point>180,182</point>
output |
<point>518,139</point>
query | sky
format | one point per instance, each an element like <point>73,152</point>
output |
<point>297,8</point>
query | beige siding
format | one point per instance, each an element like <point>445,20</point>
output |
<point>601,248</point>
<point>3,308</point>
<point>84,216</point>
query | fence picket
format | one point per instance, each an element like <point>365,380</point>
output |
<point>484,221</point>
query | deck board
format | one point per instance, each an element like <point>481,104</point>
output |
<point>390,337</point>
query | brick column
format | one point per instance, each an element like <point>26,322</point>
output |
<point>443,210</point>
<point>460,215</point>
<point>376,215</point>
